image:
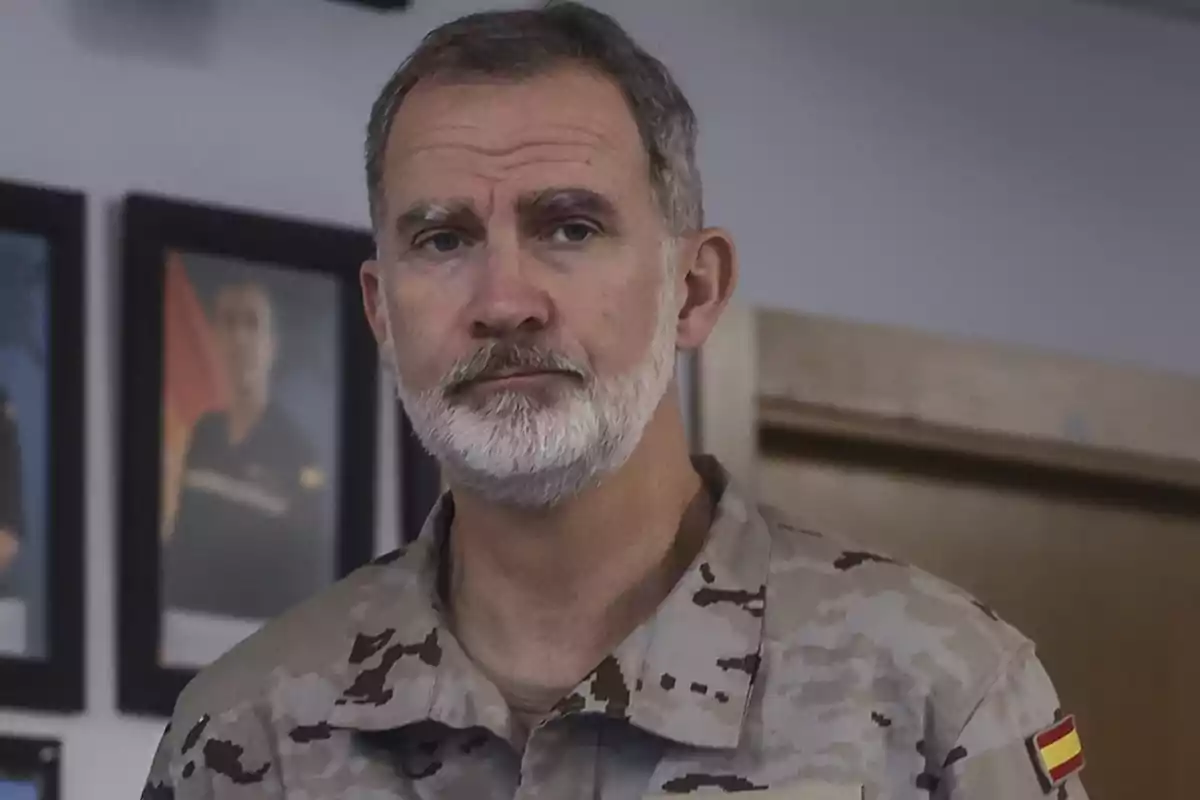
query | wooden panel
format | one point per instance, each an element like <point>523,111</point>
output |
<point>1122,466</point>
<point>905,375</point>
<point>1064,492</point>
<point>1107,583</point>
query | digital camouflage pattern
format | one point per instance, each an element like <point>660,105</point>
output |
<point>784,660</point>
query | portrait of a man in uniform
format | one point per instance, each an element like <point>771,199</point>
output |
<point>248,534</point>
<point>27,770</point>
<point>11,789</point>
<point>10,487</point>
<point>23,441</point>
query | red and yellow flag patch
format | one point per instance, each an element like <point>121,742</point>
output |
<point>1057,752</point>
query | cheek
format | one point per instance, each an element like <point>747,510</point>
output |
<point>624,323</point>
<point>423,333</point>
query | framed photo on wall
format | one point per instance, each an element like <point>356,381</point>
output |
<point>248,431</point>
<point>41,448</point>
<point>29,769</point>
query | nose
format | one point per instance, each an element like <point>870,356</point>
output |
<point>508,301</point>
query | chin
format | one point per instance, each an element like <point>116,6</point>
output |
<point>535,450</point>
<point>527,456</point>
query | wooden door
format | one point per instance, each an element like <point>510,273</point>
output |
<point>1092,548</point>
<point>1108,589</point>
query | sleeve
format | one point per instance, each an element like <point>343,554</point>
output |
<point>230,760</point>
<point>1018,744</point>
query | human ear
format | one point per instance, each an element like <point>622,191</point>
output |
<point>371,279</point>
<point>709,278</point>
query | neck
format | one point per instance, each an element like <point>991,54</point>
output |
<point>245,409</point>
<point>539,598</point>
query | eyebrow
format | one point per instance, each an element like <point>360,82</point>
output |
<point>567,201</point>
<point>462,212</point>
<point>459,211</point>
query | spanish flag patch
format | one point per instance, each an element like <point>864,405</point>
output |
<point>1057,753</point>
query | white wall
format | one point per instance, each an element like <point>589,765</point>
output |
<point>1024,175</point>
<point>1030,176</point>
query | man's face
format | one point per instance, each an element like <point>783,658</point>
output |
<point>245,334</point>
<point>528,282</point>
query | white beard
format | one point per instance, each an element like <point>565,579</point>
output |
<point>520,452</point>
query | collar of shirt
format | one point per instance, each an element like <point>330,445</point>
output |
<point>686,674</point>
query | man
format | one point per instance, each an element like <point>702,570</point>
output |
<point>10,491</point>
<point>247,539</point>
<point>590,613</point>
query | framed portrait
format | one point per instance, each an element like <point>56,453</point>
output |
<point>248,431</point>
<point>29,768</point>
<point>41,448</point>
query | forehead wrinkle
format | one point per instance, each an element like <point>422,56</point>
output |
<point>551,151</point>
<point>489,179</point>
<point>455,151</point>
<point>430,165</point>
<point>498,173</point>
<point>537,134</point>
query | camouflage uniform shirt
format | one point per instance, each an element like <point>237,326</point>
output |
<point>784,664</point>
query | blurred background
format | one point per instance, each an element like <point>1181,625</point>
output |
<point>1022,173</point>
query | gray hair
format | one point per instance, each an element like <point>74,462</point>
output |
<point>521,44</point>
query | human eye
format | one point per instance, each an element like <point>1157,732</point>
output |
<point>440,242</point>
<point>572,231</point>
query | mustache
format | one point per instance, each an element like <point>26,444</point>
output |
<point>498,358</point>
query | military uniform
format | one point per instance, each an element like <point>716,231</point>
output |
<point>785,663</point>
<point>248,538</point>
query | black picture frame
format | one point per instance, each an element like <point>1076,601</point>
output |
<point>56,681</point>
<point>38,761</point>
<point>151,226</point>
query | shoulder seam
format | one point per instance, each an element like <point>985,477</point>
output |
<point>1011,657</point>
